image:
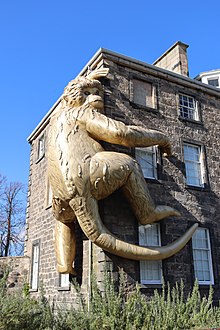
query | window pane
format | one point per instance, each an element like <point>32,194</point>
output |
<point>49,194</point>
<point>150,271</point>
<point>187,107</point>
<point>35,267</point>
<point>64,280</point>
<point>213,82</point>
<point>143,93</point>
<point>192,156</point>
<point>146,157</point>
<point>202,256</point>
<point>41,146</point>
<point>149,235</point>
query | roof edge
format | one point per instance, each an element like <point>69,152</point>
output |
<point>121,57</point>
<point>204,73</point>
<point>43,121</point>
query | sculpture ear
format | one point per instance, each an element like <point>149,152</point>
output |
<point>65,98</point>
<point>96,74</point>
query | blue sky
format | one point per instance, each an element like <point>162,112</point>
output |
<point>46,43</point>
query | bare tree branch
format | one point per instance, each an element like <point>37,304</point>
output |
<point>12,217</point>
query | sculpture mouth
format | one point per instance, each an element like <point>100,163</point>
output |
<point>98,104</point>
<point>98,101</point>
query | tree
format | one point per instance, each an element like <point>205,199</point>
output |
<point>12,217</point>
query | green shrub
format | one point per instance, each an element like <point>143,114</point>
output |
<point>114,308</point>
<point>18,311</point>
<point>123,310</point>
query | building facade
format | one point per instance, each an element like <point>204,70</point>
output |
<point>162,97</point>
<point>211,78</point>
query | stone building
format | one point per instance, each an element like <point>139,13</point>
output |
<point>159,96</point>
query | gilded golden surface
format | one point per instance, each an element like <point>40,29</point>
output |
<point>81,172</point>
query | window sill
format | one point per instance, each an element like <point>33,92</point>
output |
<point>150,286</point>
<point>204,188</point>
<point>48,206</point>
<point>197,122</point>
<point>65,288</point>
<point>39,159</point>
<point>205,285</point>
<point>143,107</point>
<point>33,290</point>
<point>151,180</point>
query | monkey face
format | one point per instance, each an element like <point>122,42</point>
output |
<point>94,97</point>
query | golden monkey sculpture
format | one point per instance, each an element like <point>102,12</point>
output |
<point>81,172</point>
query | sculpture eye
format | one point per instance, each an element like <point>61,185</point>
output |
<point>97,92</point>
<point>87,93</point>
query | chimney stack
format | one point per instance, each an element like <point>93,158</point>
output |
<point>175,59</point>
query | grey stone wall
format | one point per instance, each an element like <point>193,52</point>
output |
<point>17,269</point>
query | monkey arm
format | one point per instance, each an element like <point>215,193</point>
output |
<point>103,128</point>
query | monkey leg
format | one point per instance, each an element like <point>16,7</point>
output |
<point>110,171</point>
<point>65,240</point>
<point>139,197</point>
<point>65,246</point>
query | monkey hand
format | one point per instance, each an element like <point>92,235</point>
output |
<point>166,149</point>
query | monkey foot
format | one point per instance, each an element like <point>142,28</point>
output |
<point>66,270</point>
<point>159,213</point>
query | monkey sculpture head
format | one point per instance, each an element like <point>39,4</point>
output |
<point>84,91</point>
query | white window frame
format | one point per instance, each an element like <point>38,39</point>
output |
<point>64,281</point>
<point>188,107</point>
<point>198,164</point>
<point>204,251</point>
<point>211,79</point>
<point>146,104</point>
<point>144,163</point>
<point>41,147</point>
<point>35,266</point>
<point>49,195</point>
<point>145,240</point>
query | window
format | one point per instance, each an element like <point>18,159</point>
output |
<point>144,93</point>
<point>213,82</point>
<point>49,195</point>
<point>188,107</point>
<point>35,265</point>
<point>64,281</point>
<point>41,147</point>
<point>194,165</point>
<point>150,271</point>
<point>202,256</point>
<point>147,158</point>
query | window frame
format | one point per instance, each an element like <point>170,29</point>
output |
<point>143,263</point>
<point>154,98</point>
<point>196,117</point>
<point>154,163</point>
<point>202,165</point>
<point>209,253</point>
<point>48,195</point>
<point>40,153</point>
<point>35,272</point>
<point>64,285</point>
<point>211,79</point>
